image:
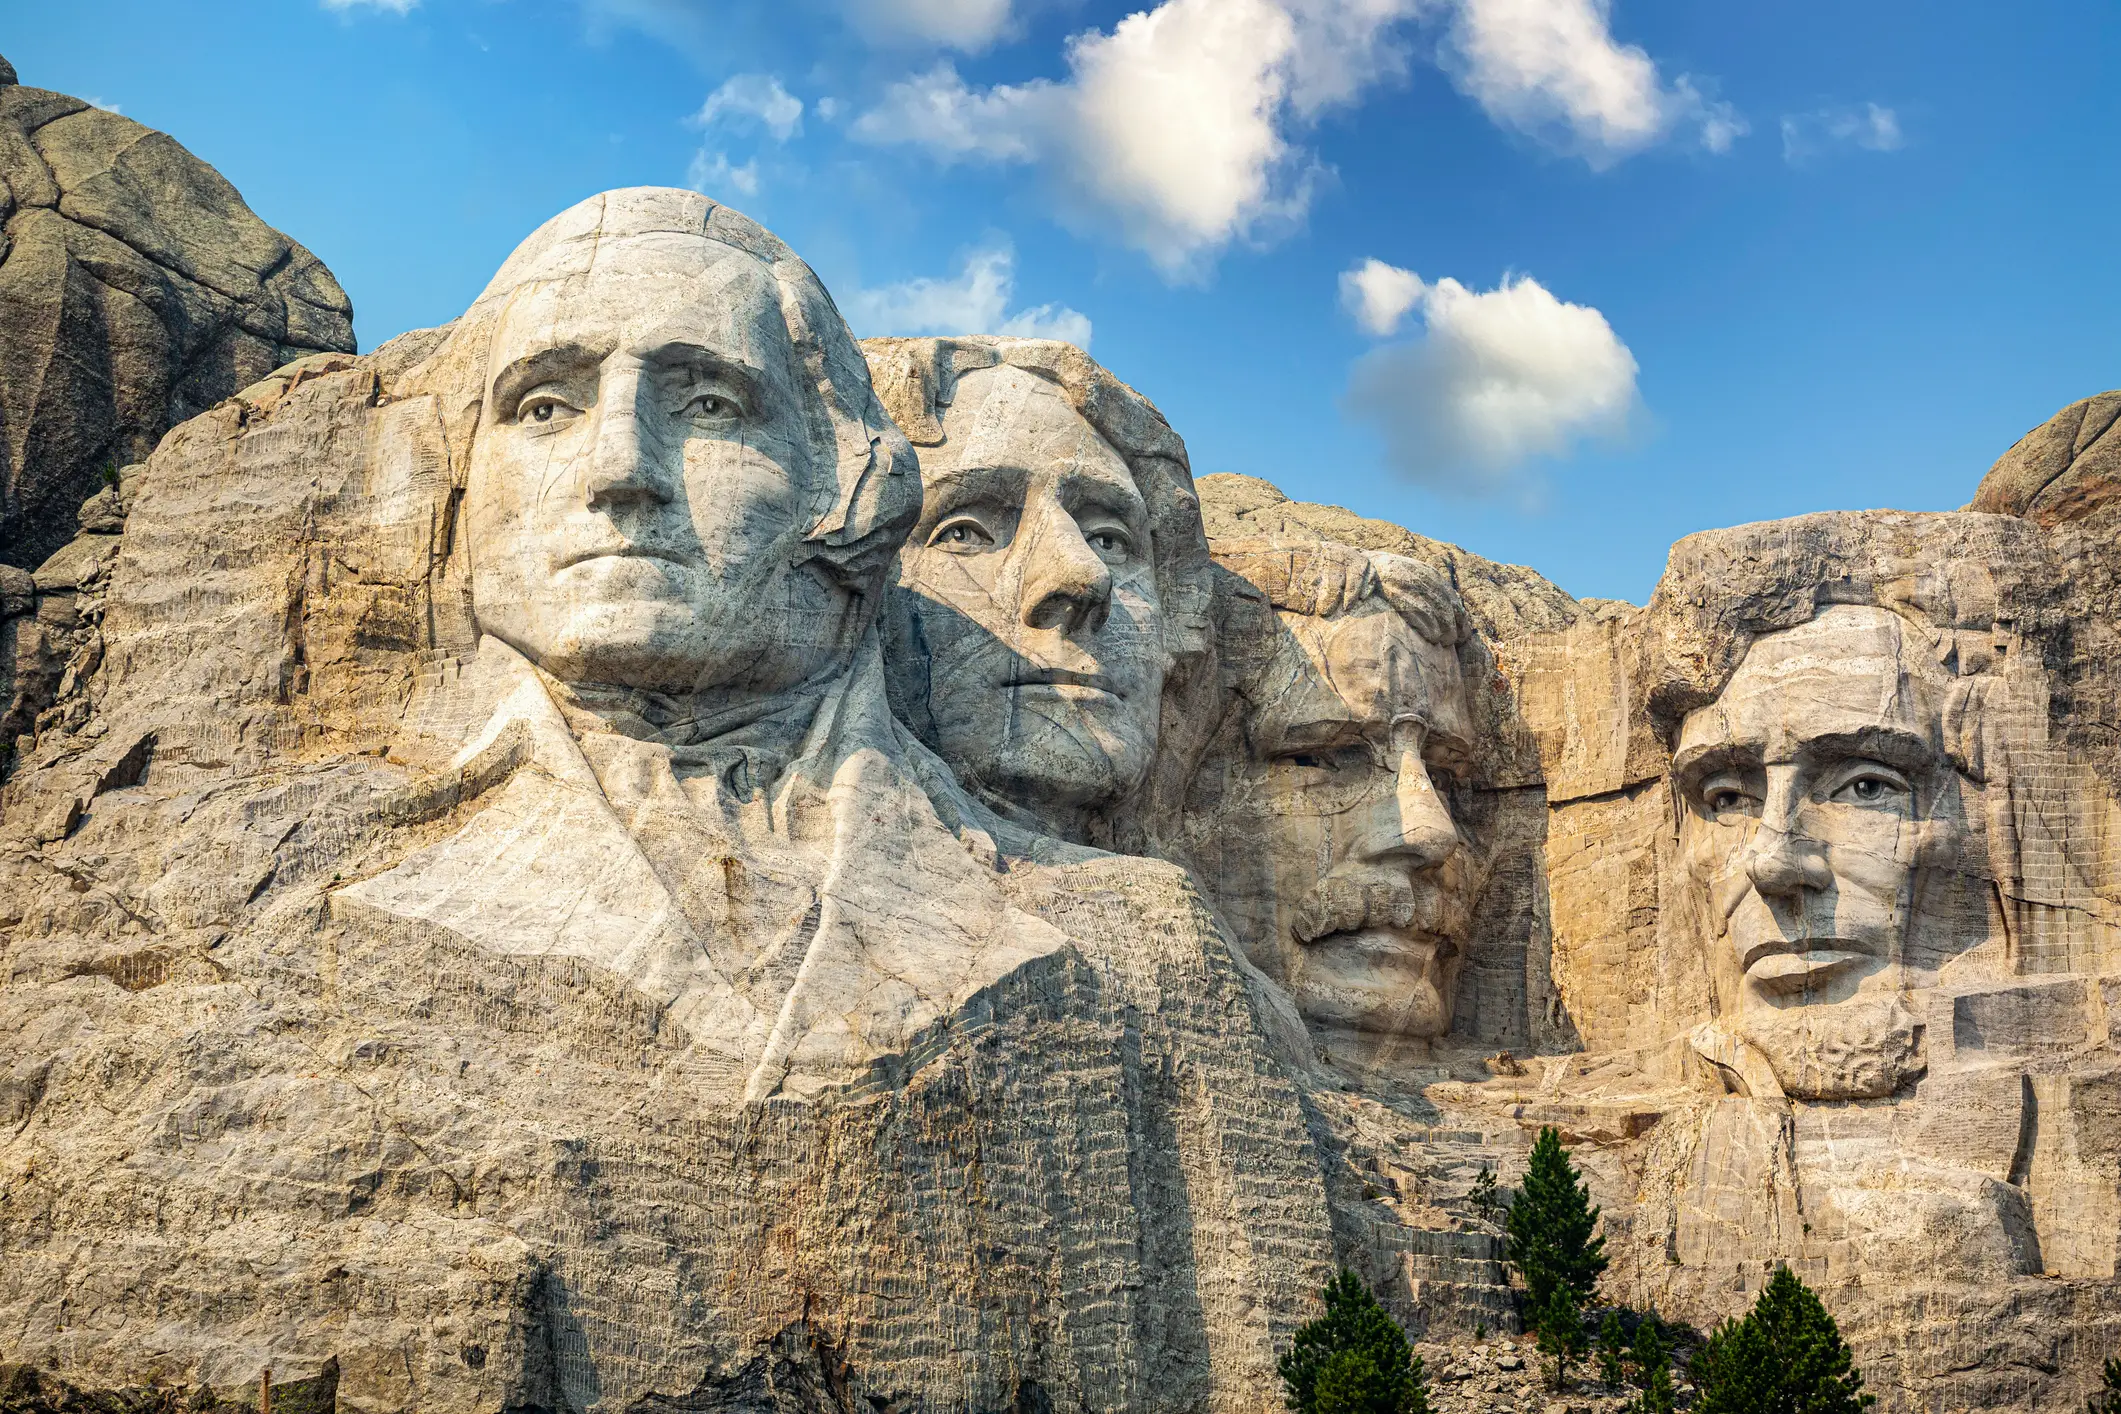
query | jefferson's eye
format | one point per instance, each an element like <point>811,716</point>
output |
<point>961,536</point>
<point>711,407</point>
<point>1110,545</point>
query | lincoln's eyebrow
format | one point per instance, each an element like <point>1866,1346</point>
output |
<point>527,372</point>
<point>1895,746</point>
<point>969,482</point>
<point>1697,761</point>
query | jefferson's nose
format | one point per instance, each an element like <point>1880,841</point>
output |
<point>1414,828</point>
<point>622,467</point>
<point>1067,585</point>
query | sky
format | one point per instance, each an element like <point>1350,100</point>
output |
<point>1557,280</point>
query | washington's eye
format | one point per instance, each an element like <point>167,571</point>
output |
<point>544,410</point>
<point>961,536</point>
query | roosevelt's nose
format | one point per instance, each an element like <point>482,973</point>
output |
<point>1067,585</point>
<point>1413,827</point>
<point>1781,859</point>
<point>623,468</point>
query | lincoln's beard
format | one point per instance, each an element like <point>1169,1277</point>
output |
<point>1861,1049</point>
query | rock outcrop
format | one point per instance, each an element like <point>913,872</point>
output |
<point>136,291</point>
<point>548,867</point>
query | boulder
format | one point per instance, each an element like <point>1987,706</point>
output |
<point>136,290</point>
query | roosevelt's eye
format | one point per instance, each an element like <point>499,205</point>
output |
<point>1328,760</point>
<point>962,536</point>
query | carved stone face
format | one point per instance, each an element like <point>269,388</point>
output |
<point>1027,618</point>
<point>1341,864</point>
<point>1816,794</point>
<point>637,482</point>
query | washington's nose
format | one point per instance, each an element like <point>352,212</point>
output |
<point>622,469</point>
<point>1067,585</point>
<point>1414,827</point>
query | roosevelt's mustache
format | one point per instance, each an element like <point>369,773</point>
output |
<point>1353,901</point>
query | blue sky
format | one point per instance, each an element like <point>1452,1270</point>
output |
<point>1643,268</point>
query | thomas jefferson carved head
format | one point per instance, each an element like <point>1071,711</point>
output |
<point>1050,584</point>
<point>1335,851</point>
<point>680,480</point>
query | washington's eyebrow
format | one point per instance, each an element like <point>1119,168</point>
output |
<point>698,358</point>
<point>527,372</point>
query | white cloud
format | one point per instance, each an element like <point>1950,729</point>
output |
<point>1172,128</point>
<point>396,7</point>
<point>975,301</point>
<point>713,174</point>
<point>1380,295</point>
<point>1872,127</point>
<point>1551,69</point>
<point>969,25</point>
<point>1500,377</point>
<point>750,101</point>
<point>106,107</point>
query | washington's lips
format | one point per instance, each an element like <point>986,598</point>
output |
<point>624,552</point>
<point>1062,678</point>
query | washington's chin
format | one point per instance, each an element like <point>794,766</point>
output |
<point>1377,981</point>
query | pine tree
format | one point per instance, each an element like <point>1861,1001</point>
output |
<point>1561,1334</point>
<point>1550,1227</point>
<point>1354,1359</point>
<point>2108,1399</point>
<point>1785,1355</point>
<point>1612,1347</point>
<point>1651,1352</point>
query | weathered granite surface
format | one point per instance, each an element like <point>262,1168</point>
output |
<point>136,290</point>
<point>630,852</point>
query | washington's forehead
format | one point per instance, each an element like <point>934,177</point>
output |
<point>651,290</point>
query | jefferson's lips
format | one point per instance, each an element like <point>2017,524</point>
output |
<point>624,552</point>
<point>1061,677</point>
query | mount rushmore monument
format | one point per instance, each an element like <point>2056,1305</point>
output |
<point>632,852</point>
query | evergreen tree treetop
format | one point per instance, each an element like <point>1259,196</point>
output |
<point>1552,1224</point>
<point>1786,1356</point>
<point>1354,1359</point>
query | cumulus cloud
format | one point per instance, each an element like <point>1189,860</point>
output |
<point>713,174</point>
<point>1497,379</point>
<point>968,25</point>
<point>1173,129</point>
<point>974,301</point>
<point>1872,127</point>
<point>751,101</point>
<point>1551,69</point>
<point>1380,295</point>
